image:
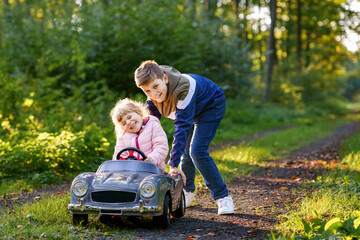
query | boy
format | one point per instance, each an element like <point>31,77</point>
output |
<point>197,105</point>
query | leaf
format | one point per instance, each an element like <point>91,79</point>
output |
<point>307,227</point>
<point>210,234</point>
<point>283,188</point>
<point>334,223</point>
<point>293,177</point>
<point>252,231</point>
<point>356,223</point>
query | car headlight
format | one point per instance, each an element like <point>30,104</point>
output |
<point>147,189</point>
<point>79,188</point>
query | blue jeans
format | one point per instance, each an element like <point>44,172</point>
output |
<point>197,152</point>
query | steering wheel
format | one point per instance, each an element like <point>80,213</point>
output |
<point>131,156</point>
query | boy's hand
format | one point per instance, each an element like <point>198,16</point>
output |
<point>174,170</point>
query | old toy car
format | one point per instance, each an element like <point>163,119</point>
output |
<point>127,187</point>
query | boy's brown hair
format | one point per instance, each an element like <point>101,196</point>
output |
<point>148,71</point>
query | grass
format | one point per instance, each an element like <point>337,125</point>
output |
<point>246,157</point>
<point>335,200</point>
<point>48,218</point>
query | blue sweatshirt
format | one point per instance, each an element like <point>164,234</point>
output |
<point>189,98</point>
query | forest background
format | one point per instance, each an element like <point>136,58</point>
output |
<point>65,63</point>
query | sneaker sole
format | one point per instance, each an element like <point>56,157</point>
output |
<point>225,213</point>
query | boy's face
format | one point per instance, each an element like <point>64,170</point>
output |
<point>156,90</point>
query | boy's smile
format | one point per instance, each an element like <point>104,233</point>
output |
<point>156,90</point>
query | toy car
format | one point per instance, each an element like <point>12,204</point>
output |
<point>127,187</point>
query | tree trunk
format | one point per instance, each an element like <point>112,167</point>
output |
<point>210,8</point>
<point>299,42</point>
<point>270,59</point>
<point>245,21</point>
<point>307,60</point>
<point>287,40</point>
<point>192,8</point>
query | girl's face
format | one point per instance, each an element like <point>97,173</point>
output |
<point>131,122</point>
<point>156,90</point>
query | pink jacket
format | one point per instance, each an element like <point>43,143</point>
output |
<point>151,140</point>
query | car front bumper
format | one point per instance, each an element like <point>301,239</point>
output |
<point>133,209</point>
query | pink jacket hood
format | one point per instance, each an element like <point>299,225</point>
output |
<point>152,140</point>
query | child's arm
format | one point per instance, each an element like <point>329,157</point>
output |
<point>183,124</point>
<point>119,146</point>
<point>153,109</point>
<point>160,144</point>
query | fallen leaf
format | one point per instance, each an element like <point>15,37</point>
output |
<point>293,177</point>
<point>258,214</point>
<point>251,183</point>
<point>210,234</point>
<point>283,188</point>
<point>199,230</point>
<point>252,231</point>
<point>192,237</point>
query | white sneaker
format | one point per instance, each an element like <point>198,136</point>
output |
<point>226,205</point>
<point>189,197</point>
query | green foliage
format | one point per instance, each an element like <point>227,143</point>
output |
<point>332,211</point>
<point>47,158</point>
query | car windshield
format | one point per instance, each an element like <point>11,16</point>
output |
<point>128,165</point>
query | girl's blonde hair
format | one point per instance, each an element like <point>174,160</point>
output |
<point>123,107</point>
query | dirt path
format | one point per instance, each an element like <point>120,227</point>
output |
<point>258,199</point>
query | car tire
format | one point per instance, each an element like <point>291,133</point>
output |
<point>180,212</point>
<point>80,219</point>
<point>163,220</point>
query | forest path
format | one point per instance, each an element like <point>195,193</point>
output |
<point>258,199</point>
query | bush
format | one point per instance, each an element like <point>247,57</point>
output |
<point>47,157</point>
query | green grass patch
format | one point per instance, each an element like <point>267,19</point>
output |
<point>48,218</point>
<point>332,211</point>
<point>246,157</point>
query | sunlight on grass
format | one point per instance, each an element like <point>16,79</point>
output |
<point>49,218</point>
<point>14,186</point>
<point>335,202</point>
<point>243,159</point>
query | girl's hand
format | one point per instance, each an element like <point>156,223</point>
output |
<point>174,170</point>
<point>160,164</point>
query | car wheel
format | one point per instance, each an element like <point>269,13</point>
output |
<point>163,220</point>
<point>80,219</point>
<point>180,212</point>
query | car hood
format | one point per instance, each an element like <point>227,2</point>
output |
<point>102,180</point>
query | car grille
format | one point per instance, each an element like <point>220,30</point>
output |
<point>113,196</point>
